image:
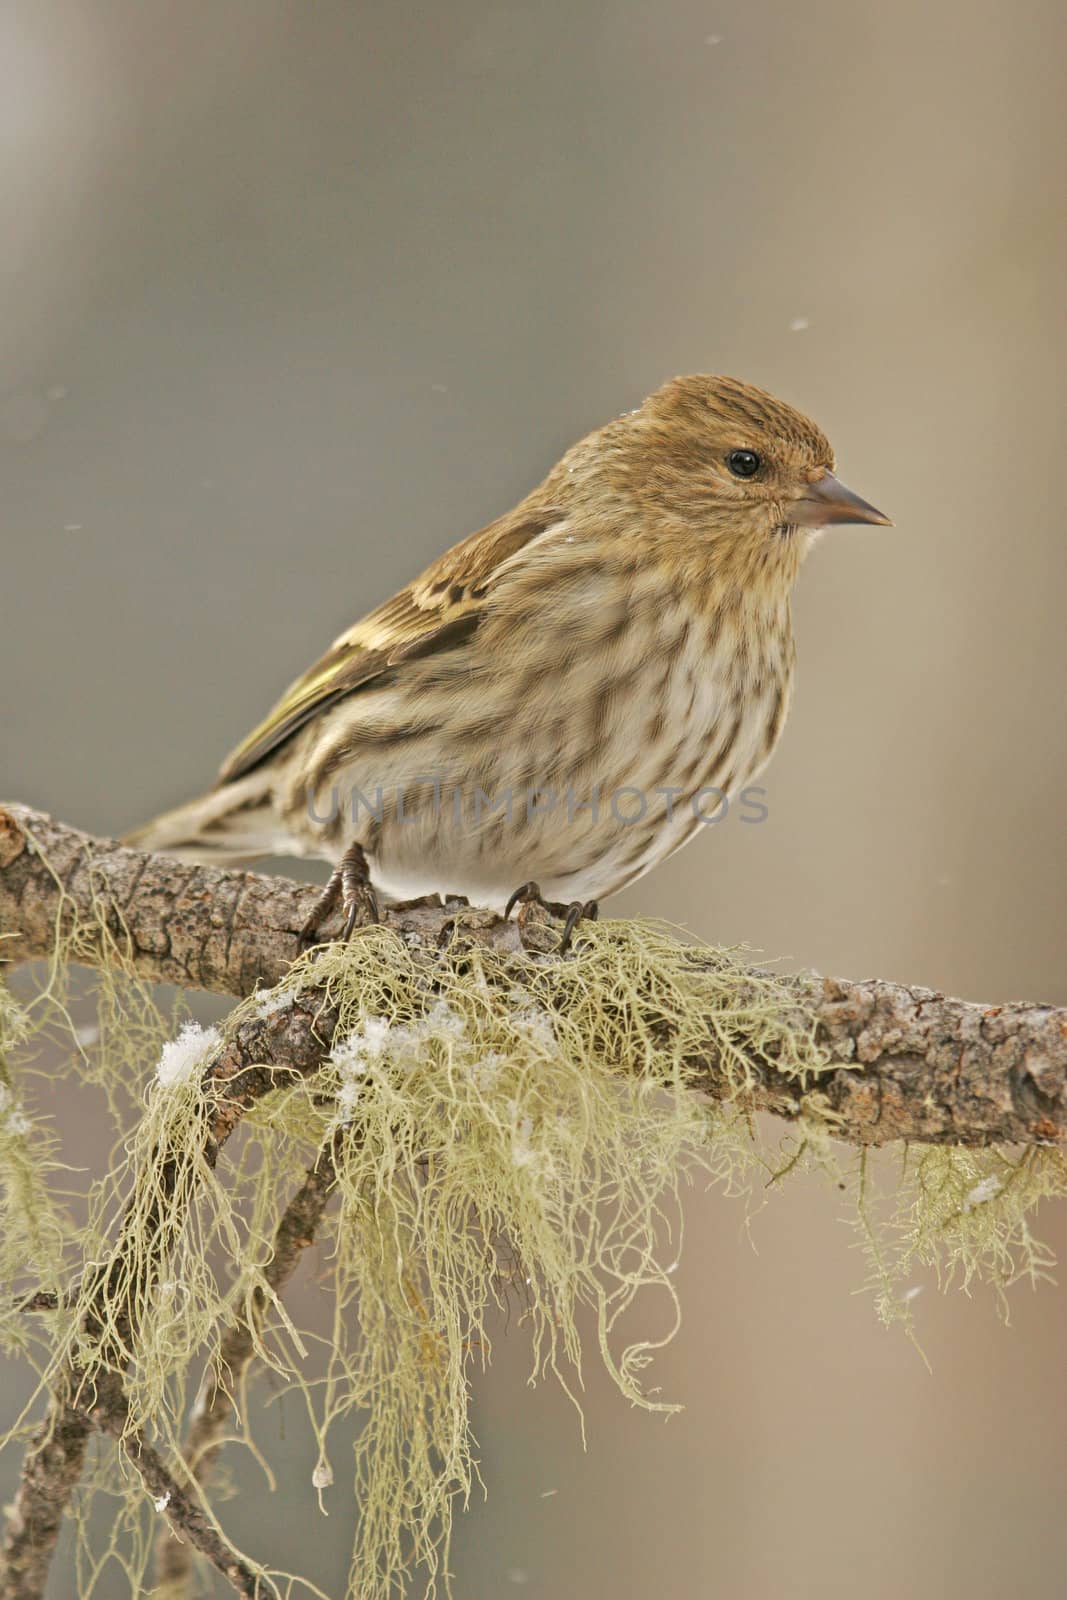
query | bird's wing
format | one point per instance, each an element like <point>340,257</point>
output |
<point>440,610</point>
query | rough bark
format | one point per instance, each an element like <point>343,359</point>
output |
<point>50,1473</point>
<point>906,1062</point>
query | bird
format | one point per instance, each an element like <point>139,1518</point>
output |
<point>542,713</point>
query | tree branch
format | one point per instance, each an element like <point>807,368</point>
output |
<point>260,1056</point>
<point>906,1063</point>
<point>109,1412</point>
<point>215,1403</point>
<point>50,1475</point>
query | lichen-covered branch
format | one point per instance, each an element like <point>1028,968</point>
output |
<point>261,1056</point>
<point>903,1062</point>
<point>109,1413</point>
<point>50,1473</point>
<point>454,1082</point>
<point>216,1401</point>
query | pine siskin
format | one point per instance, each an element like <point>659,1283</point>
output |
<point>549,700</point>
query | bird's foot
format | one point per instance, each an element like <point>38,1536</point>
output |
<point>349,885</point>
<point>528,896</point>
<point>578,911</point>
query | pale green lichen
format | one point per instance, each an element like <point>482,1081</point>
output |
<point>964,1213</point>
<point>506,1130</point>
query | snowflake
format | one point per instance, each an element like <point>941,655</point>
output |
<point>983,1191</point>
<point>182,1056</point>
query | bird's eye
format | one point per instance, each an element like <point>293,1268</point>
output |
<point>743,463</point>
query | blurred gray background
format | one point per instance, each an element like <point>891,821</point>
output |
<point>293,295</point>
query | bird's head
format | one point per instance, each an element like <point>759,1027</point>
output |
<point>715,457</point>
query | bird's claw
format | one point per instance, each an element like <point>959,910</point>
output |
<point>349,883</point>
<point>577,911</point>
<point>529,894</point>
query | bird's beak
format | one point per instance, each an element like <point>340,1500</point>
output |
<point>827,500</point>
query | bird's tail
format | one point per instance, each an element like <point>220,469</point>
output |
<point>226,827</point>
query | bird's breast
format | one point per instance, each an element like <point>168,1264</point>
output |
<point>578,746</point>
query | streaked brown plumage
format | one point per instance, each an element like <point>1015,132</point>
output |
<point>625,627</point>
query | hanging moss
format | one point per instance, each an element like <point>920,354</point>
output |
<point>505,1130</point>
